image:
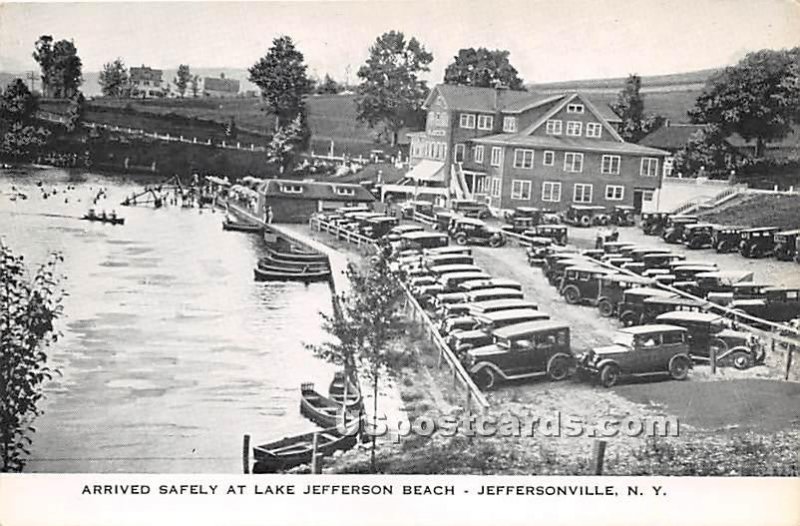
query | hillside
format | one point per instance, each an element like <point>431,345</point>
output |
<point>761,210</point>
<point>691,79</point>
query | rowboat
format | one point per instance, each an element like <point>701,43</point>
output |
<point>235,226</point>
<point>297,256</point>
<point>337,389</point>
<point>104,219</point>
<point>268,262</point>
<point>322,410</point>
<point>271,274</point>
<point>293,451</point>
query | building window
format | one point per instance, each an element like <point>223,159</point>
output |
<point>573,162</point>
<point>574,128</point>
<point>523,159</point>
<point>291,189</point>
<point>510,124</point>
<point>459,153</point>
<point>575,108</point>
<point>669,166</point>
<point>479,154</point>
<point>553,127</point>
<point>649,167</point>
<point>582,193</point>
<point>594,129</point>
<point>610,164</point>
<point>549,158</point>
<point>647,195</point>
<point>485,122</point>
<point>521,190</point>
<point>345,191</point>
<point>495,187</point>
<point>467,121</point>
<point>615,192</point>
<point>497,156</point>
<point>481,183</point>
<point>551,192</point>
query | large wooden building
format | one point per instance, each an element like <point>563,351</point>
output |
<point>514,148</point>
<point>295,201</point>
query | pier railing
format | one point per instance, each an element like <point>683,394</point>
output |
<point>473,395</point>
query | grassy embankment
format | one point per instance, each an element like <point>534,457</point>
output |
<point>760,210</point>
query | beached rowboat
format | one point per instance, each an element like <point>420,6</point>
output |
<point>322,410</point>
<point>272,274</point>
<point>297,256</point>
<point>293,451</point>
<point>235,226</point>
<point>336,390</point>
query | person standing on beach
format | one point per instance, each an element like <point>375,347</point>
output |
<point>269,215</point>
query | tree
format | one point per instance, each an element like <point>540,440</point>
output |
<point>114,79</point>
<point>630,108</point>
<point>363,328</point>
<point>483,68</point>
<point>28,311</point>
<point>60,65</point>
<point>390,92</point>
<point>75,110</point>
<point>17,103</point>
<point>758,98</point>
<point>195,85</point>
<point>706,149</point>
<point>20,138</point>
<point>281,76</point>
<point>182,79</point>
<point>328,86</point>
<point>287,143</point>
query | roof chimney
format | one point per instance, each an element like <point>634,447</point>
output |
<point>499,96</point>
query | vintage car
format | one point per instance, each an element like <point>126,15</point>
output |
<point>485,307</point>
<point>779,304</point>
<point>609,292</point>
<point>526,212</point>
<point>673,233</point>
<point>474,231</point>
<point>442,301</point>
<point>786,245</point>
<point>631,308</point>
<point>615,260</point>
<point>614,247</point>
<point>555,271</point>
<point>495,293</point>
<point>443,219</point>
<point>698,235</point>
<point>377,227</point>
<point>451,281</point>
<point>409,208</point>
<point>623,215</point>
<point>435,260</point>
<point>586,215</point>
<point>416,283</point>
<point>443,269</point>
<point>593,253</point>
<point>470,208</point>
<point>452,324</point>
<point>638,254</point>
<point>726,239</point>
<point>646,350</point>
<point>526,350</point>
<point>605,236</point>
<point>519,224</point>
<point>688,272</point>
<point>757,242</point>
<point>558,233</point>
<point>719,281</point>
<point>656,305</point>
<point>397,232</point>
<point>537,249</point>
<point>440,251</point>
<point>580,283</point>
<point>480,284</point>
<point>707,332</point>
<point>637,267</point>
<point>462,341</point>
<point>738,291</point>
<point>653,224</point>
<point>422,240</point>
<point>660,260</point>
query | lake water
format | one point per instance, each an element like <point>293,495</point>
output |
<point>171,352</point>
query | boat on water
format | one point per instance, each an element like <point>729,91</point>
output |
<point>336,391</point>
<point>238,226</point>
<point>270,263</point>
<point>293,451</point>
<point>103,218</point>
<point>263,273</point>
<point>324,411</point>
<point>301,256</point>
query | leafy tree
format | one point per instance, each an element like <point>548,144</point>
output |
<point>17,103</point>
<point>60,65</point>
<point>391,93</point>
<point>75,111</point>
<point>114,79</point>
<point>195,85</point>
<point>328,86</point>
<point>183,78</point>
<point>483,68</point>
<point>630,108</point>
<point>287,143</point>
<point>281,76</point>
<point>759,98</point>
<point>28,311</point>
<point>22,142</point>
<point>706,149</point>
<point>20,138</point>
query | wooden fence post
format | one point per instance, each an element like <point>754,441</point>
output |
<point>789,353</point>
<point>712,352</point>
<point>598,453</point>
<point>246,455</point>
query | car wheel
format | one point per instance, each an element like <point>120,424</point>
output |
<point>628,319</point>
<point>461,240</point>
<point>742,360</point>
<point>585,221</point>
<point>606,308</point>
<point>679,367</point>
<point>572,295</point>
<point>484,379</point>
<point>609,375</point>
<point>558,368</point>
<point>483,215</point>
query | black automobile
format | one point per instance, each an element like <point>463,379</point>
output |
<point>786,245</point>
<point>631,307</point>
<point>726,239</point>
<point>622,215</point>
<point>654,306</point>
<point>470,208</point>
<point>698,235</point>
<point>469,231</point>
<point>654,223</point>
<point>581,283</point>
<point>409,208</point>
<point>586,215</point>
<point>526,212</point>
<point>757,242</point>
<point>558,233</point>
<point>673,233</point>
<point>519,224</point>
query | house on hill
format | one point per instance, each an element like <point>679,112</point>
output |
<point>146,82</point>
<point>295,201</point>
<point>513,148</point>
<point>220,87</point>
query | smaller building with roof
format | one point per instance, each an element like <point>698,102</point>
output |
<point>294,201</point>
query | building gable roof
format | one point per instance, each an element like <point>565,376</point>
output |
<point>144,73</point>
<point>558,107</point>
<point>315,190</point>
<point>470,98</point>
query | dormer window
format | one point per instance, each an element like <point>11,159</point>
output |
<point>510,124</point>
<point>345,191</point>
<point>553,127</point>
<point>575,108</point>
<point>291,189</point>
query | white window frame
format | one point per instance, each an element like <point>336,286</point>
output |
<point>648,165</point>
<point>499,151</point>
<point>478,155</point>
<point>594,130</point>
<point>648,195</point>
<point>481,184</point>
<point>485,122</point>
<point>521,189</point>
<point>583,187</point>
<point>345,191</point>
<point>495,186</point>
<point>570,166</point>
<point>555,192</point>
<point>510,124</point>
<point>609,170</point>
<point>575,107</point>
<point>467,121</point>
<point>291,189</point>
<point>460,147</point>
<point>520,155</point>
<point>574,128</point>
<point>613,188</point>
<point>552,155</point>
<point>554,127</point>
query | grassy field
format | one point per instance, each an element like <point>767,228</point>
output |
<point>761,210</point>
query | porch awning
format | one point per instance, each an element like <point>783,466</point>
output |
<point>427,170</point>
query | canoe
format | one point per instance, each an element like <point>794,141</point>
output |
<point>297,256</point>
<point>293,451</point>
<point>267,274</point>
<point>336,390</point>
<point>324,411</point>
<point>234,226</point>
<point>107,219</point>
<point>267,262</point>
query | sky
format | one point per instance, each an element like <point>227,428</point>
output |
<point>548,40</point>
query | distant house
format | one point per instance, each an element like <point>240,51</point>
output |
<point>220,87</point>
<point>294,201</point>
<point>146,82</point>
